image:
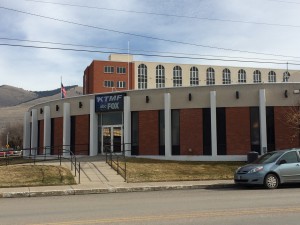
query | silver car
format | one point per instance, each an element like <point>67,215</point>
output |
<point>271,169</point>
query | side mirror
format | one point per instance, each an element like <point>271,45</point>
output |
<point>283,161</point>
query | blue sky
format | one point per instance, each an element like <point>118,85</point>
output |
<point>42,69</point>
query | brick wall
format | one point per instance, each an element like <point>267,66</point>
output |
<point>148,133</point>
<point>238,131</point>
<point>191,137</point>
<point>284,135</point>
<point>96,76</point>
<point>82,138</point>
<point>57,131</point>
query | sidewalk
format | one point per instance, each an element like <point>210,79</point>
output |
<point>98,178</point>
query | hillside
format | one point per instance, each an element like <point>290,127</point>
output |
<point>14,102</point>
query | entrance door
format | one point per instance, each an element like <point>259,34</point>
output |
<point>112,139</point>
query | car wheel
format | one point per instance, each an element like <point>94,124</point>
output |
<point>271,181</point>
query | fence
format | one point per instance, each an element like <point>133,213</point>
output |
<point>117,160</point>
<point>32,155</point>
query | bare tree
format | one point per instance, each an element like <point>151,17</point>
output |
<point>13,134</point>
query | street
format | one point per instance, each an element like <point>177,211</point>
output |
<point>215,206</point>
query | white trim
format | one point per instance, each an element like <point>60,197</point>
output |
<point>67,128</point>
<point>26,133</point>
<point>93,129</point>
<point>47,130</point>
<point>127,126</point>
<point>263,121</point>
<point>34,131</point>
<point>213,121</point>
<point>168,129</point>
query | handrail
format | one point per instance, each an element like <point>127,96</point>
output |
<point>32,153</point>
<point>114,158</point>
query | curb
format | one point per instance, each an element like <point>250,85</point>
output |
<point>110,190</point>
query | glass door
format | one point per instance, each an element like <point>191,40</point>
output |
<point>112,139</point>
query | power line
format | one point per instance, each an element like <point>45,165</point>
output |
<point>168,15</point>
<point>141,36</point>
<point>147,55</point>
<point>288,2</point>
<point>140,50</point>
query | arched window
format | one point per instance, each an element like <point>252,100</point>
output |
<point>142,76</point>
<point>226,78</point>
<point>210,76</point>
<point>272,77</point>
<point>286,76</point>
<point>160,76</point>
<point>242,76</point>
<point>177,76</point>
<point>257,76</point>
<point>194,76</point>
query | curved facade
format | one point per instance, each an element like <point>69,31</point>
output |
<point>209,123</point>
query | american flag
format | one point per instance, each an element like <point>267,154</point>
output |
<point>63,91</point>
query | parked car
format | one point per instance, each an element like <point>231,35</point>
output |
<point>271,169</point>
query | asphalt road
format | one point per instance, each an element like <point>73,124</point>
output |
<point>216,206</point>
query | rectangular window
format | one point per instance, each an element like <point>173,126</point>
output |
<point>221,131</point>
<point>134,133</point>
<point>121,84</point>
<point>108,69</point>
<point>108,83</point>
<point>270,128</point>
<point>161,132</point>
<point>121,70</point>
<point>175,126</point>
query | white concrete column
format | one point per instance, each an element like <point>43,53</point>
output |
<point>127,126</point>
<point>168,128</point>
<point>213,121</point>
<point>66,128</point>
<point>47,130</point>
<point>93,129</point>
<point>34,132</point>
<point>263,121</point>
<point>26,134</point>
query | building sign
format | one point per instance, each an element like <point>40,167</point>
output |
<point>109,102</point>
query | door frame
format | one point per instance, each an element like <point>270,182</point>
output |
<point>112,127</point>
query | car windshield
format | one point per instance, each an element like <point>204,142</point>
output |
<point>268,158</point>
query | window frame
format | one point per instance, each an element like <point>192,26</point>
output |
<point>121,70</point>
<point>109,69</point>
<point>177,76</point>
<point>210,76</point>
<point>242,76</point>
<point>194,76</point>
<point>142,76</point>
<point>226,76</point>
<point>256,76</point>
<point>160,76</point>
<point>272,77</point>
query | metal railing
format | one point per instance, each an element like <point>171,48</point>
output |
<point>117,159</point>
<point>33,155</point>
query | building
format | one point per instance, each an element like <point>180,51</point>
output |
<point>121,73</point>
<point>171,111</point>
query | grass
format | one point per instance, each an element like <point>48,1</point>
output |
<point>34,175</point>
<point>149,170</point>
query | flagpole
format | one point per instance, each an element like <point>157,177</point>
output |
<point>128,68</point>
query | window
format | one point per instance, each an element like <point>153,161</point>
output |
<point>290,157</point>
<point>142,76</point>
<point>242,76</point>
<point>257,76</point>
<point>121,70</point>
<point>226,76</point>
<point>108,83</point>
<point>286,76</point>
<point>194,76</point>
<point>121,84</point>
<point>160,76</point>
<point>177,76</point>
<point>272,77</point>
<point>210,76</point>
<point>108,69</point>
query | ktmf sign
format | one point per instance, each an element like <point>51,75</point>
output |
<point>111,102</point>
